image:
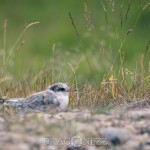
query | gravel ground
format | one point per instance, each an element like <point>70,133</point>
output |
<point>122,128</point>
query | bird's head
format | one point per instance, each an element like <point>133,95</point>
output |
<point>60,87</point>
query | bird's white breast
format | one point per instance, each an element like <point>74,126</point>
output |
<point>63,99</point>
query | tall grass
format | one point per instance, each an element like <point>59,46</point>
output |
<point>118,84</point>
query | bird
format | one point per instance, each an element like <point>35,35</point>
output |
<point>55,97</point>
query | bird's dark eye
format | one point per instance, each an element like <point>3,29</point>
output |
<point>61,89</point>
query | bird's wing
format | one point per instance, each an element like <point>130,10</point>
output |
<point>33,100</point>
<point>44,98</point>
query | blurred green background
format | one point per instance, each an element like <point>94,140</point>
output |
<point>98,42</point>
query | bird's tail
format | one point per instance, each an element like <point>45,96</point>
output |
<point>2,101</point>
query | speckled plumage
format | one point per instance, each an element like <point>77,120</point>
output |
<point>54,97</point>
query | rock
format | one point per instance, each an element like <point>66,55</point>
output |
<point>1,120</point>
<point>1,127</point>
<point>137,143</point>
<point>139,114</point>
<point>75,148</point>
<point>130,127</point>
<point>141,138</point>
<point>1,124</point>
<point>131,145</point>
<point>21,146</point>
<point>86,129</point>
<point>58,116</point>
<point>101,117</point>
<point>91,148</point>
<point>139,104</point>
<point>116,135</point>
<point>67,115</point>
<point>142,127</point>
<point>83,116</point>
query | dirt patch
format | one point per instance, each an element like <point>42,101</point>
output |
<point>77,129</point>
